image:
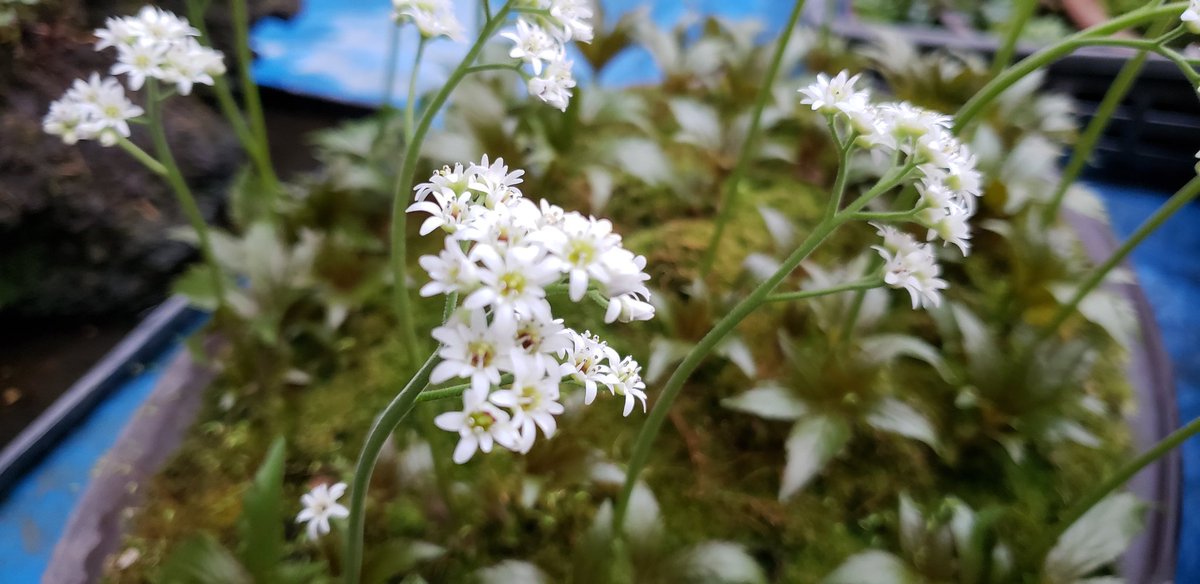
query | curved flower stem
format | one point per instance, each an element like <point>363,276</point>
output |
<point>1119,478</point>
<point>654,421</point>
<point>1010,76</point>
<point>404,183</point>
<point>1177,201</point>
<point>253,104</point>
<point>495,67</point>
<point>142,156</point>
<point>186,201</point>
<point>410,103</point>
<point>884,216</point>
<point>1095,128</point>
<point>388,420</point>
<point>453,390</point>
<point>729,198</point>
<point>389,68</point>
<point>867,284</point>
<point>1022,10</point>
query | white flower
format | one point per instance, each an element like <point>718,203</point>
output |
<point>66,118</point>
<point>532,44</point>
<point>915,270</point>
<point>626,380</point>
<point>1191,17</point>
<point>189,63</point>
<point>110,112</point>
<point>450,212</point>
<point>498,185</point>
<point>628,308</point>
<point>155,25</point>
<point>473,350</point>
<point>139,61</point>
<point>574,20</point>
<point>581,244</point>
<point>533,400</point>
<point>455,179</point>
<point>513,282</point>
<point>554,84</point>
<point>117,31</point>
<point>449,271</point>
<point>433,18</point>
<point>833,95</point>
<point>553,216</point>
<point>480,425</point>
<point>908,121</point>
<point>625,273</point>
<point>945,217</point>
<point>584,362</point>
<point>320,505</point>
<point>504,226</point>
<point>537,341</point>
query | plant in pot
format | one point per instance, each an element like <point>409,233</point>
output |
<point>902,320</point>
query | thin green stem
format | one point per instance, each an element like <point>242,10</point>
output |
<point>186,201</point>
<point>495,67</point>
<point>388,420</point>
<point>404,182</point>
<point>142,156</point>
<point>1177,201</point>
<point>487,9</point>
<point>251,99</point>
<point>654,421</point>
<point>976,105</point>
<point>389,68</point>
<point>1095,129</point>
<point>1122,476</point>
<point>805,294</point>
<point>1022,10</point>
<point>729,198</point>
<point>229,107</point>
<point>410,103</point>
<point>884,216</point>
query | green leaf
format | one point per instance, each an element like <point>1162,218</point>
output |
<point>814,441</point>
<point>261,523</point>
<point>643,159</point>
<point>396,557</point>
<point>196,284</point>
<point>885,348</point>
<point>202,560</point>
<point>770,402</point>
<point>893,415</point>
<point>1096,539</point>
<point>720,562</point>
<point>873,567</point>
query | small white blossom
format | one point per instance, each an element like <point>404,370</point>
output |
<point>532,44</point>
<point>433,18</point>
<point>581,244</point>
<point>67,118</point>
<point>480,426</point>
<point>585,363</point>
<point>449,271</point>
<point>448,211</point>
<point>513,282</point>
<point>320,505</point>
<point>574,20</point>
<point>628,308</point>
<point>554,84</point>
<point>833,95</point>
<point>138,62</point>
<point>1191,17</point>
<point>913,267</point>
<point>498,185</point>
<point>453,178</point>
<point>474,350</point>
<point>533,400</point>
<point>626,381</point>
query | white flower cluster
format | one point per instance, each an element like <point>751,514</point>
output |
<point>943,168</point>
<point>433,18</point>
<point>540,40</point>
<point>503,255</point>
<point>1191,17</point>
<point>154,44</point>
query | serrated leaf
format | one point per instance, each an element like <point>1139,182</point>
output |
<point>814,441</point>
<point>261,524</point>
<point>872,567</point>
<point>1096,539</point>
<point>720,562</point>
<point>202,560</point>
<point>512,572</point>
<point>893,415</point>
<point>770,402</point>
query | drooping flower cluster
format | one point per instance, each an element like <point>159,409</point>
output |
<point>433,18</point>
<point>155,44</point>
<point>929,155</point>
<point>540,40</point>
<point>504,256</point>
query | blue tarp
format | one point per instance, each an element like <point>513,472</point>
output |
<point>335,50</point>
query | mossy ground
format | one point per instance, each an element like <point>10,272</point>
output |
<point>714,472</point>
